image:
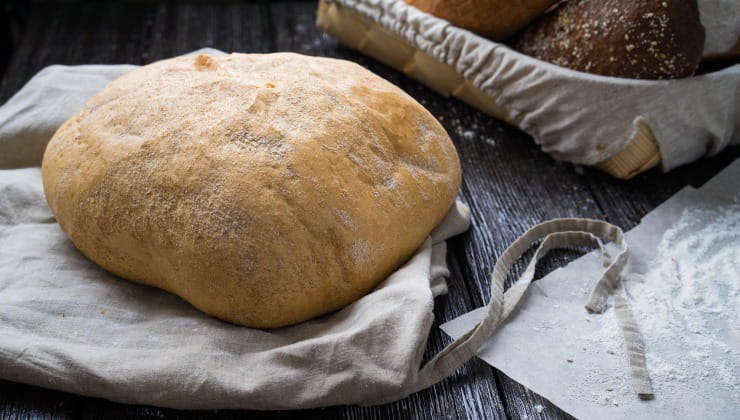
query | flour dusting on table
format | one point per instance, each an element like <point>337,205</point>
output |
<point>691,296</point>
<point>693,292</point>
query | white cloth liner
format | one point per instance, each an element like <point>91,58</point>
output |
<point>576,117</point>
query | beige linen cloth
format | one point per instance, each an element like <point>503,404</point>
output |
<point>576,117</point>
<point>67,324</point>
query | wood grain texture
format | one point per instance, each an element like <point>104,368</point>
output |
<point>19,401</point>
<point>508,183</point>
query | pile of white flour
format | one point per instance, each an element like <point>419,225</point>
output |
<point>691,297</point>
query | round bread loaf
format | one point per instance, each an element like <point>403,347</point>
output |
<point>640,39</point>
<point>263,189</point>
<point>493,19</point>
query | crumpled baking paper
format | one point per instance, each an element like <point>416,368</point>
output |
<point>552,345</point>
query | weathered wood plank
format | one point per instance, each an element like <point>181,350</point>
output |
<point>626,202</point>
<point>19,401</point>
<point>87,33</point>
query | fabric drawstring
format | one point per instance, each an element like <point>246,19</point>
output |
<point>557,233</point>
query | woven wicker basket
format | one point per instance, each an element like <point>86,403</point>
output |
<point>372,39</point>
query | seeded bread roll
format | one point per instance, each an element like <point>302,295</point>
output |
<point>641,39</point>
<point>263,189</point>
<point>493,19</point>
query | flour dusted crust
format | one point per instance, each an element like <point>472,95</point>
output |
<point>263,189</point>
<point>640,39</point>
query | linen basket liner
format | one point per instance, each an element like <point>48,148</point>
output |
<point>576,117</point>
<point>67,324</point>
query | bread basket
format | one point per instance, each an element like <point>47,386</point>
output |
<point>560,108</point>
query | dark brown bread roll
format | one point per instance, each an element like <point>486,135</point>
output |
<point>641,39</point>
<point>493,19</point>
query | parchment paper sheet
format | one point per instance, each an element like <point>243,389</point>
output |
<point>542,344</point>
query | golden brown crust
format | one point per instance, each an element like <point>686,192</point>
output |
<point>263,189</point>
<point>641,39</point>
<point>493,19</point>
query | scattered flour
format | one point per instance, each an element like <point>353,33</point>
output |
<point>346,219</point>
<point>359,252</point>
<point>607,387</point>
<point>691,296</point>
<point>688,300</point>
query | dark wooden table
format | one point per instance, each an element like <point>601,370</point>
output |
<point>508,183</point>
